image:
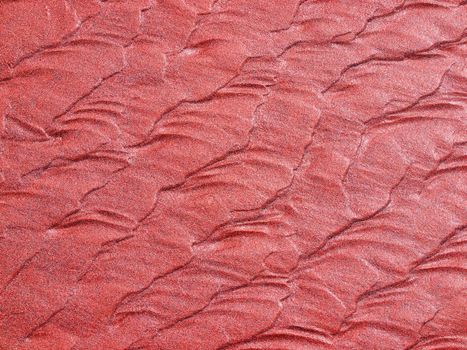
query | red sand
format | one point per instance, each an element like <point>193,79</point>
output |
<point>233,174</point>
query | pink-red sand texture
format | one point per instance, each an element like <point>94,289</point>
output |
<point>233,174</point>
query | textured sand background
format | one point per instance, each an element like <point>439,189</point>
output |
<point>233,174</point>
